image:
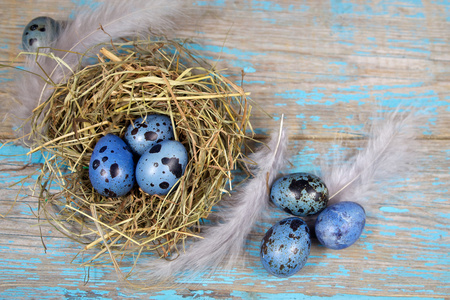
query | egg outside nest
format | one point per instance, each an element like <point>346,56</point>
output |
<point>340,225</point>
<point>300,194</point>
<point>210,117</point>
<point>40,32</point>
<point>285,247</point>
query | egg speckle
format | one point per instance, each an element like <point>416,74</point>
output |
<point>144,133</point>
<point>40,32</point>
<point>340,225</point>
<point>300,194</point>
<point>285,247</point>
<point>161,166</point>
<point>111,167</point>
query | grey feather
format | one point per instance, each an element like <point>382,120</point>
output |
<point>391,151</point>
<point>108,21</point>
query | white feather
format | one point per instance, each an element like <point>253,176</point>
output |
<point>391,151</point>
<point>108,21</point>
<point>223,244</point>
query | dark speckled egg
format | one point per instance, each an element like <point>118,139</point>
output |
<point>300,194</point>
<point>143,133</point>
<point>161,166</point>
<point>40,32</point>
<point>340,225</point>
<point>285,247</point>
<point>111,168</point>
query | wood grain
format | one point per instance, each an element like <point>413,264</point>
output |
<point>327,66</point>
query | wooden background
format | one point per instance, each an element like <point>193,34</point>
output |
<point>327,65</point>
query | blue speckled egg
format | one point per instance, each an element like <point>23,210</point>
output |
<point>143,133</point>
<point>161,166</point>
<point>111,168</point>
<point>300,194</point>
<point>40,32</point>
<point>340,225</point>
<point>285,247</point>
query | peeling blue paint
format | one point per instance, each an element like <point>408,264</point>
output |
<point>92,4</point>
<point>217,3</point>
<point>271,6</point>
<point>17,153</point>
<point>88,3</point>
<point>393,209</point>
<point>384,233</point>
<point>240,60</point>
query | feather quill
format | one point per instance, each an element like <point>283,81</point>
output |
<point>391,151</point>
<point>222,244</point>
<point>108,21</point>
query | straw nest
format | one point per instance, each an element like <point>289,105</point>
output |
<point>131,80</point>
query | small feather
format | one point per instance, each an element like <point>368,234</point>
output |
<point>108,21</point>
<point>223,244</point>
<point>391,152</point>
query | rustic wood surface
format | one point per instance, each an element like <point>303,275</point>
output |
<point>327,65</point>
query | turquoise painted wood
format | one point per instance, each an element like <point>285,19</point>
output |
<point>327,66</point>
